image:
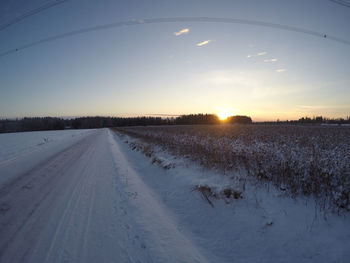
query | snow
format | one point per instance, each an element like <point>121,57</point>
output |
<point>264,226</point>
<point>159,227</point>
<point>20,152</point>
<point>306,160</point>
<point>97,200</point>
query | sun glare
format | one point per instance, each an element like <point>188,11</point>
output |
<point>223,114</point>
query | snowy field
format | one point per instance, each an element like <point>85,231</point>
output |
<point>103,196</point>
<point>301,160</point>
<point>20,152</point>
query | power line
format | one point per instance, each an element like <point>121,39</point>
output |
<point>178,19</point>
<point>31,13</point>
<point>341,2</point>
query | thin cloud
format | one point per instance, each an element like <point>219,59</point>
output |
<point>312,106</point>
<point>182,31</point>
<point>261,53</point>
<point>280,70</point>
<point>323,106</point>
<point>206,42</point>
<point>270,60</point>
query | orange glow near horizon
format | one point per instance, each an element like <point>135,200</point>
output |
<point>223,114</point>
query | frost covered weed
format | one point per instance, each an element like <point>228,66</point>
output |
<point>206,192</point>
<point>209,193</point>
<point>147,149</point>
<point>307,160</point>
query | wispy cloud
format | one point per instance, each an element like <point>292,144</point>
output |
<point>270,60</point>
<point>261,53</point>
<point>280,70</point>
<point>316,107</point>
<point>206,42</point>
<point>182,31</point>
<point>312,106</point>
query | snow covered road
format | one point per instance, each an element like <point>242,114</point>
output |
<point>86,196</point>
<point>87,204</point>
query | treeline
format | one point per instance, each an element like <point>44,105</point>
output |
<point>32,124</point>
<point>102,122</point>
<point>210,119</point>
<point>314,120</point>
<point>49,123</point>
<point>320,120</point>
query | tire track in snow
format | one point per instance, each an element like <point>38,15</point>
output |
<point>69,212</point>
<point>25,202</point>
<point>88,231</point>
<point>87,204</point>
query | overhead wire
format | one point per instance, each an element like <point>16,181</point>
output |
<point>134,22</point>
<point>31,13</point>
<point>341,2</point>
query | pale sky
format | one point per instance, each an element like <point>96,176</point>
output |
<point>176,67</point>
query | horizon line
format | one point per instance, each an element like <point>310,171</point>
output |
<point>162,115</point>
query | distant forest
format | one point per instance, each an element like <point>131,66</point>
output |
<point>49,123</point>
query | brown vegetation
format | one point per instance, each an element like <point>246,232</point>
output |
<point>307,160</point>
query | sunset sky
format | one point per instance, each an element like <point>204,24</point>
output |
<point>176,67</point>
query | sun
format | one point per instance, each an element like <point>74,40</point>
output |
<point>223,114</point>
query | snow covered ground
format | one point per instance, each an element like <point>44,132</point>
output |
<point>91,198</point>
<point>20,152</point>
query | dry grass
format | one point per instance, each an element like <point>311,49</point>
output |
<point>307,160</point>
